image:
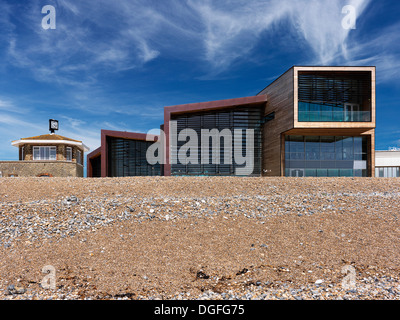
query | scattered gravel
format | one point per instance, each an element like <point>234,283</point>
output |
<point>200,238</point>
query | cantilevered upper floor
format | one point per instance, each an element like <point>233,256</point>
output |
<point>325,97</point>
<point>326,105</point>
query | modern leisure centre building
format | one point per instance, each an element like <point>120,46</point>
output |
<point>310,122</point>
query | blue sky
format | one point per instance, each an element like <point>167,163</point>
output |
<point>115,64</point>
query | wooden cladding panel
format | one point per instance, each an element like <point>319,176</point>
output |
<point>280,100</point>
<point>371,152</point>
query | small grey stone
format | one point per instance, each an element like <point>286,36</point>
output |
<point>11,289</point>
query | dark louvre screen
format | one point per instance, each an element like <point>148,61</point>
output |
<point>235,118</point>
<point>335,87</point>
<point>127,158</point>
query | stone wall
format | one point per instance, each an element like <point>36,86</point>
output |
<point>26,152</point>
<point>38,168</point>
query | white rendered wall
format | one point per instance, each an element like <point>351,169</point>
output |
<point>387,158</point>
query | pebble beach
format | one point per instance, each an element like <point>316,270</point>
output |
<point>200,238</point>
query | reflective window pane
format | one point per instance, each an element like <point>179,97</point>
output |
<point>346,172</point>
<point>313,148</point>
<point>322,172</point>
<point>296,144</point>
<point>53,153</point>
<point>339,148</point>
<point>333,172</point>
<point>36,155</point>
<point>328,156</point>
<point>69,154</point>
<point>327,148</point>
<point>348,148</point>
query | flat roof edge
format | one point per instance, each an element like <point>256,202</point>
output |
<point>17,143</point>
<point>129,135</point>
<point>94,153</point>
<point>304,66</point>
<point>199,106</point>
<point>291,68</point>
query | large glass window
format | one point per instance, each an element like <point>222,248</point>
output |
<point>326,156</point>
<point>334,96</point>
<point>44,153</point>
<point>127,158</point>
<point>328,148</point>
<point>228,120</point>
<point>348,148</point>
<point>313,148</point>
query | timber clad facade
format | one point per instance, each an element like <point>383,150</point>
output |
<point>311,121</point>
<point>324,124</point>
<point>280,102</point>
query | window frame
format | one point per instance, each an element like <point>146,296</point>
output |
<point>40,153</point>
<point>68,151</point>
<point>79,157</point>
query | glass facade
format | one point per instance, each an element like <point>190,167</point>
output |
<point>242,118</point>
<point>127,158</point>
<point>326,156</point>
<point>334,97</point>
<point>326,112</point>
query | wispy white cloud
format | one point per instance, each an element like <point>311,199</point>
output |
<point>73,122</point>
<point>8,106</point>
<point>13,127</point>
<point>109,36</point>
<point>12,121</point>
<point>98,38</point>
<point>319,23</point>
<point>380,49</point>
<point>232,29</point>
<point>14,124</point>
